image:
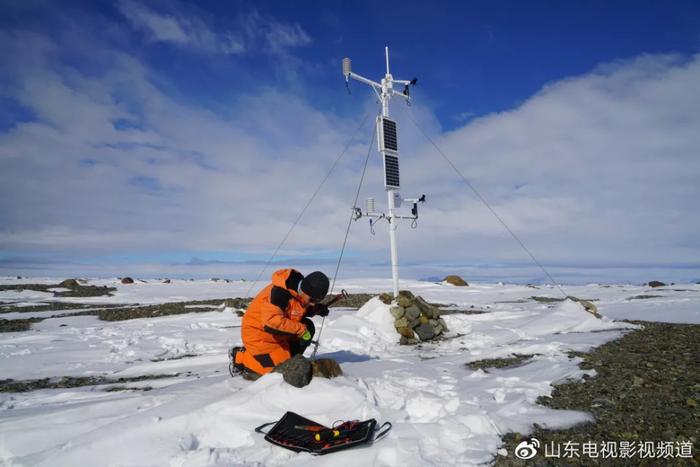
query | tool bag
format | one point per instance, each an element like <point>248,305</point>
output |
<point>299,434</point>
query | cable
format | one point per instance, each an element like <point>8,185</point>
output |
<point>313,196</point>
<point>345,240</point>
<point>354,205</point>
<point>483,200</point>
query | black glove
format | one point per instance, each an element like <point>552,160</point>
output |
<point>320,309</point>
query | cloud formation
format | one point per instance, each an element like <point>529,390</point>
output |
<point>594,170</point>
<point>252,33</point>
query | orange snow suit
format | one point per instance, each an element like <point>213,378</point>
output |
<point>272,323</point>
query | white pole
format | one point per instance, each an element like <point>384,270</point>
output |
<point>392,241</point>
<point>386,95</point>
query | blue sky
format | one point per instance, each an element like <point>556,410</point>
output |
<point>174,138</point>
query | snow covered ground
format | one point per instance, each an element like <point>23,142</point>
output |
<point>443,412</point>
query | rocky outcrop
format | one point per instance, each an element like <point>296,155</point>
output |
<point>456,280</point>
<point>654,284</point>
<point>127,280</point>
<point>415,319</point>
<point>69,284</point>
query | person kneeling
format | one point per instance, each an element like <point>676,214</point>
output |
<point>276,325</point>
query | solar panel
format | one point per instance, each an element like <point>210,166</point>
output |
<point>389,133</point>
<point>391,171</point>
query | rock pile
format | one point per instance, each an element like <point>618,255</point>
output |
<point>415,319</point>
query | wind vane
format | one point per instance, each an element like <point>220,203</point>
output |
<point>388,146</point>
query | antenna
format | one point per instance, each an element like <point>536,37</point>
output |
<point>388,146</point>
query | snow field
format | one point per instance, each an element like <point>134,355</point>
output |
<point>443,413</point>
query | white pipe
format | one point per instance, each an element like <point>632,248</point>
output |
<point>386,52</point>
<point>392,241</point>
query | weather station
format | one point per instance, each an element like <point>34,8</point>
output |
<point>387,145</point>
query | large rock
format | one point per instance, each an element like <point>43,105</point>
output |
<point>425,331</point>
<point>401,323</point>
<point>326,368</point>
<point>456,280</point>
<point>429,310</point>
<point>412,313</point>
<point>127,280</point>
<point>296,371</point>
<point>397,312</point>
<point>654,284</point>
<point>406,332</point>
<point>405,299</point>
<point>69,284</point>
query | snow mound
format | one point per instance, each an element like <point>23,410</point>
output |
<point>369,330</point>
<point>569,316</point>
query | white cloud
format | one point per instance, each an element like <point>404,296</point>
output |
<point>597,169</point>
<point>253,32</point>
<point>275,35</point>
<point>162,28</point>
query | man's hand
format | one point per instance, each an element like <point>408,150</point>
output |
<point>306,337</point>
<point>320,309</point>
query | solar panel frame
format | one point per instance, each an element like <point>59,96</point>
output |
<point>391,171</point>
<point>389,135</point>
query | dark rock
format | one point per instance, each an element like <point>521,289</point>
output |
<point>407,294</point>
<point>386,298</point>
<point>455,280</point>
<point>428,309</point>
<point>166,281</point>
<point>326,368</point>
<point>297,371</point>
<point>425,332</point>
<point>127,280</point>
<point>654,284</point>
<point>69,284</point>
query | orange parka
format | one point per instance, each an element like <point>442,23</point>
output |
<point>272,321</point>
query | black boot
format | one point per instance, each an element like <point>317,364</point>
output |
<point>233,368</point>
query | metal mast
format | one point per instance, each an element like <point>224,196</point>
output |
<point>388,147</point>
